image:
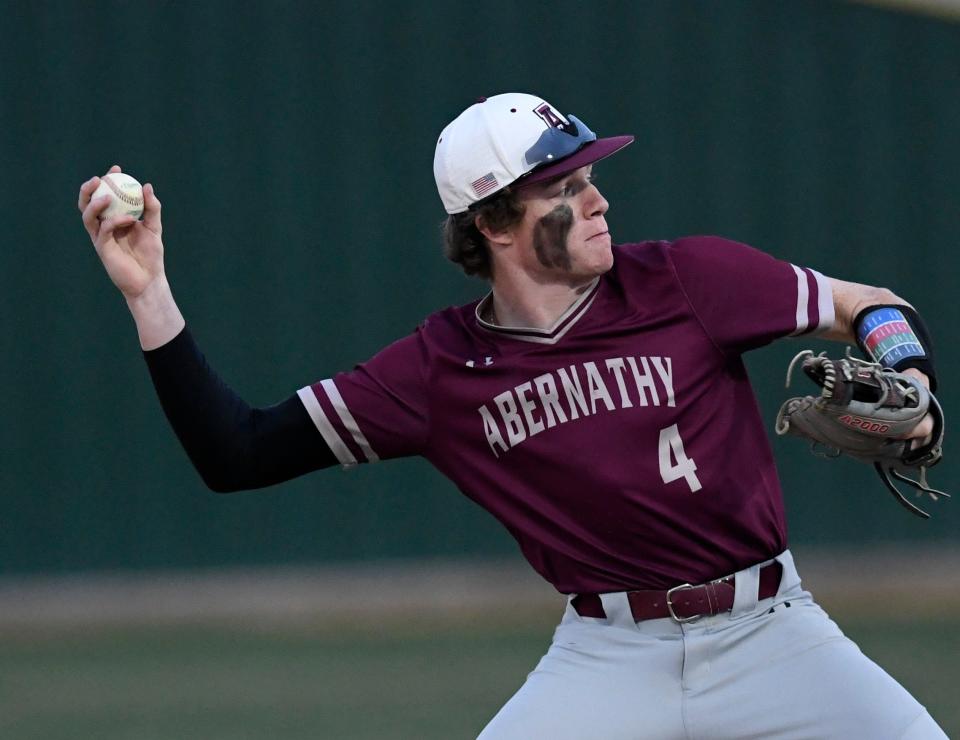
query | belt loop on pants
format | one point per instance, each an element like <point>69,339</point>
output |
<point>685,602</point>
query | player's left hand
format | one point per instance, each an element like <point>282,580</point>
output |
<point>887,419</point>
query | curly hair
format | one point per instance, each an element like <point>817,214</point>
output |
<point>463,242</point>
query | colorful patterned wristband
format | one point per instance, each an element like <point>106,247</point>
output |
<point>886,335</point>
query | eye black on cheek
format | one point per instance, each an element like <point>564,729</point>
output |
<point>550,237</point>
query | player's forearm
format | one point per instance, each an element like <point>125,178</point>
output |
<point>912,350</point>
<point>156,315</point>
<point>849,299</point>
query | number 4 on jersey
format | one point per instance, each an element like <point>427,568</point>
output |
<point>685,468</point>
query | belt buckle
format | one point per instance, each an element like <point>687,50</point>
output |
<point>673,614</point>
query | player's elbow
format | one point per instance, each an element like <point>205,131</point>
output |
<point>222,471</point>
<point>221,481</point>
<point>221,484</point>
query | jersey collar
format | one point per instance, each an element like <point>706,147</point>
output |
<point>553,334</point>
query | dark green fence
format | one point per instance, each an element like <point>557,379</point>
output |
<point>291,144</point>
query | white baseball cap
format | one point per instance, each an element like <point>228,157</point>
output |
<point>501,139</point>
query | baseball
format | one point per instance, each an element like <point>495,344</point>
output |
<point>126,195</point>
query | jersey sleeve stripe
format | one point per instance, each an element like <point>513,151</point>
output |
<point>803,297</point>
<point>824,303</point>
<point>329,434</point>
<point>340,406</point>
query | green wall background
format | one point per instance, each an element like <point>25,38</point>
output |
<point>291,144</point>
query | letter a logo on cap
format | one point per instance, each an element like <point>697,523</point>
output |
<point>549,115</point>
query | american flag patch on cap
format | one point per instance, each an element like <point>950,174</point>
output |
<point>484,185</point>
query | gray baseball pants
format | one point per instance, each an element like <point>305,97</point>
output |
<point>773,668</point>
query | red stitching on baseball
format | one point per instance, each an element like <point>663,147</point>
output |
<point>128,199</point>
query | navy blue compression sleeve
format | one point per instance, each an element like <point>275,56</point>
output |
<point>232,445</point>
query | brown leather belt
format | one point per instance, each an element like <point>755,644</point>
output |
<point>683,603</point>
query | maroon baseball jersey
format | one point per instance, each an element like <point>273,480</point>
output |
<point>623,448</point>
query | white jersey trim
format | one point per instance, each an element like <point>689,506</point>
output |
<point>803,298</point>
<point>824,303</point>
<point>826,317</point>
<point>349,422</point>
<point>329,434</point>
<point>541,336</point>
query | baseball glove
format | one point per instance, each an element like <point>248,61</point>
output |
<point>863,410</point>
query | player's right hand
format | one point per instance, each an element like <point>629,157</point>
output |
<point>131,251</point>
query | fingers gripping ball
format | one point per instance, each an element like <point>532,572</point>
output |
<point>126,195</point>
<point>865,411</point>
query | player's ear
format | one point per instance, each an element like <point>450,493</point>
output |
<point>500,237</point>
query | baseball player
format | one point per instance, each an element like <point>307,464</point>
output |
<point>595,402</point>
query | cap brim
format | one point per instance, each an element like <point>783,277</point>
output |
<point>590,153</point>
